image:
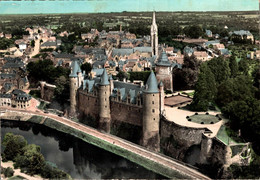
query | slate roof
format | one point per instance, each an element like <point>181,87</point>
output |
<point>49,43</point>
<point>163,60</point>
<point>13,63</point>
<point>125,89</point>
<point>6,96</point>
<point>63,55</point>
<point>104,78</point>
<point>122,52</point>
<point>212,42</point>
<point>224,51</point>
<point>98,71</point>
<point>8,86</point>
<point>242,32</point>
<point>188,50</point>
<point>143,49</point>
<point>151,84</point>
<point>98,64</point>
<point>75,69</point>
<point>7,76</point>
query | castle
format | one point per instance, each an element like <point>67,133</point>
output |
<point>112,101</point>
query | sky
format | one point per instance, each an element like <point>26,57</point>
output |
<point>97,6</point>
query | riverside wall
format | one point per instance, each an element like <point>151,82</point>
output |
<point>136,158</point>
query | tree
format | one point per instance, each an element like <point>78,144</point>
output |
<point>86,67</point>
<point>236,89</point>
<point>8,172</point>
<point>194,31</point>
<point>190,70</point>
<point>220,68</point>
<point>243,66</point>
<point>122,75</point>
<point>61,92</point>
<point>33,158</point>
<point>13,145</point>
<point>233,66</point>
<point>32,43</point>
<point>205,89</point>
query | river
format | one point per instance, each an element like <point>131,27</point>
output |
<point>76,157</point>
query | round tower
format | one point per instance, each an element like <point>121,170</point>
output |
<point>151,114</point>
<point>74,85</point>
<point>161,90</point>
<point>104,103</point>
<point>73,94</point>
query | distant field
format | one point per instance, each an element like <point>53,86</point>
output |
<point>234,20</point>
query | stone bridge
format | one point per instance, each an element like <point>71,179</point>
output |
<point>153,161</point>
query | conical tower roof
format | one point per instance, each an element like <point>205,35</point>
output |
<point>75,69</point>
<point>151,84</point>
<point>163,60</point>
<point>104,78</point>
<point>161,84</point>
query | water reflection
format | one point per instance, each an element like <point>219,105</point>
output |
<point>78,158</point>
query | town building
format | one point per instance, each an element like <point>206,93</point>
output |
<point>16,99</point>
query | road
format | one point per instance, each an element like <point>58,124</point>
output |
<point>116,141</point>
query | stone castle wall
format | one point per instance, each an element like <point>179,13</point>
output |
<point>127,113</point>
<point>176,140</point>
<point>88,105</point>
<point>120,111</point>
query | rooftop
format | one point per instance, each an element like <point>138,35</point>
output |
<point>176,100</point>
<point>163,60</point>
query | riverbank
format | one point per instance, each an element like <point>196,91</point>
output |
<point>155,162</point>
<point>17,172</point>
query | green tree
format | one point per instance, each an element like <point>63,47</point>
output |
<point>86,67</point>
<point>237,89</point>
<point>32,43</point>
<point>220,68</point>
<point>190,70</point>
<point>205,89</point>
<point>243,66</point>
<point>61,92</point>
<point>233,66</point>
<point>122,75</point>
<point>34,158</point>
<point>8,172</point>
<point>194,31</point>
<point>13,145</point>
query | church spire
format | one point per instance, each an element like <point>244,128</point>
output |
<point>154,20</point>
<point>154,37</point>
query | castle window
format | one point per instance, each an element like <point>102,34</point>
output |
<point>152,102</point>
<point>153,94</point>
<point>105,106</point>
<point>154,119</point>
<point>153,110</point>
<point>105,92</point>
<point>105,99</point>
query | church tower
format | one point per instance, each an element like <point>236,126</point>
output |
<point>104,102</point>
<point>151,114</point>
<point>163,69</point>
<point>154,37</point>
<point>75,82</point>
